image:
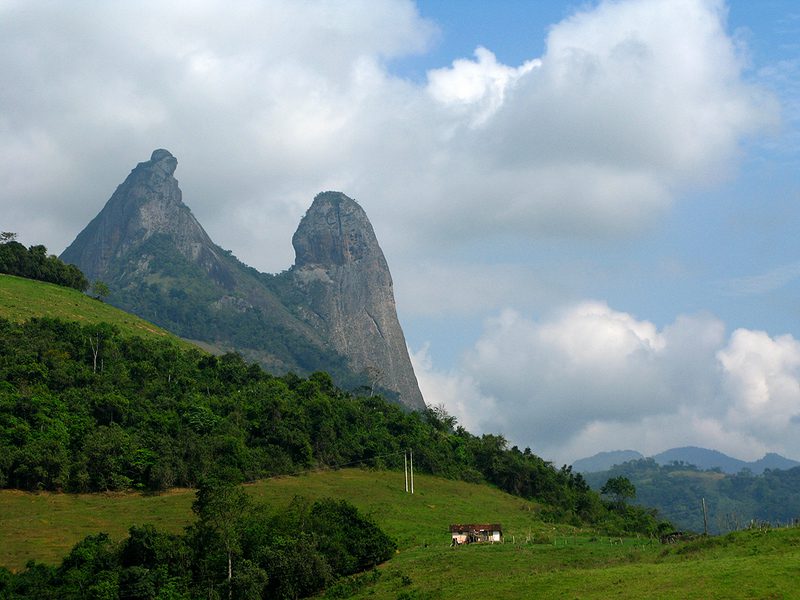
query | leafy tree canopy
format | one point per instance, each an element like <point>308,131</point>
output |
<point>235,549</point>
<point>620,488</point>
<point>34,263</point>
<point>83,408</point>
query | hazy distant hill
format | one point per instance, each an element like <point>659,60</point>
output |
<point>332,311</point>
<point>701,458</point>
<point>602,461</point>
<point>677,490</point>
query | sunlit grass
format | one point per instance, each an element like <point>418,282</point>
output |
<point>537,560</point>
<point>21,299</point>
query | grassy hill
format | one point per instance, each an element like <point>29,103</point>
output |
<point>537,560</point>
<point>45,526</point>
<point>21,299</point>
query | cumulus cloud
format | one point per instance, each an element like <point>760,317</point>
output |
<point>458,392</point>
<point>476,86</point>
<point>762,379</point>
<point>268,104</point>
<point>591,378</point>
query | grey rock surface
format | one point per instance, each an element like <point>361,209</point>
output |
<point>347,286</point>
<point>334,310</point>
<point>148,202</point>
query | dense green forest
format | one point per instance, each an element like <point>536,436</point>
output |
<point>733,501</point>
<point>83,408</point>
<point>185,300</point>
<point>234,549</point>
<point>34,263</point>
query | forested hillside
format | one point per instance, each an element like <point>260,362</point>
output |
<point>84,408</point>
<point>733,501</point>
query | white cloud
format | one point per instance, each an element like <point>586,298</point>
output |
<point>591,378</point>
<point>476,86</point>
<point>458,392</point>
<point>762,378</point>
<point>266,105</point>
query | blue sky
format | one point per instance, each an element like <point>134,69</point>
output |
<point>589,208</point>
<point>712,238</point>
<point>729,248</point>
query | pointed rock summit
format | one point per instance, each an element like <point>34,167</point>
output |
<point>147,204</point>
<point>332,311</point>
<point>348,289</point>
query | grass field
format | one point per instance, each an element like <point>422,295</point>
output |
<point>537,560</point>
<point>21,299</point>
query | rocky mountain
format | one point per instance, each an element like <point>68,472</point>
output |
<point>334,310</point>
<point>347,292</point>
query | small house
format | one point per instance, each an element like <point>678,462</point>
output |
<point>475,533</point>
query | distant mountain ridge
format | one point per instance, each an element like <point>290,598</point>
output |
<point>701,458</point>
<point>333,311</point>
<point>602,461</point>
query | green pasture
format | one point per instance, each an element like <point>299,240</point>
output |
<point>22,299</point>
<point>537,559</point>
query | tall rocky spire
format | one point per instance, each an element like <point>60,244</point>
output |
<point>348,287</point>
<point>333,311</point>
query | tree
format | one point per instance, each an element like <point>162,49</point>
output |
<point>100,290</point>
<point>7,236</point>
<point>620,488</point>
<point>438,417</point>
<point>220,506</point>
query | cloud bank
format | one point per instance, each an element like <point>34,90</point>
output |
<point>591,378</point>
<point>270,103</point>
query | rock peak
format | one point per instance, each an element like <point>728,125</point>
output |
<point>163,161</point>
<point>334,310</point>
<point>147,203</point>
<point>332,197</point>
<point>160,153</point>
<point>334,231</point>
<point>342,272</point>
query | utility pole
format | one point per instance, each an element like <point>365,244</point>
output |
<point>411,454</point>
<point>405,468</point>
<point>705,518</point>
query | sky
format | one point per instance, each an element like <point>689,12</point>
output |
<point>589,208</point>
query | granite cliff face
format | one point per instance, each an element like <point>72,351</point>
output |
<point>332,311</point>
<point>347,287</point>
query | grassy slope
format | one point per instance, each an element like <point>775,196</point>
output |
<point>561,562</point>
<point>21,299</point>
